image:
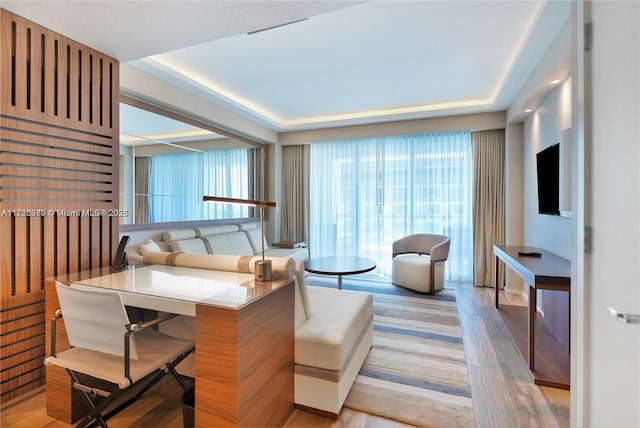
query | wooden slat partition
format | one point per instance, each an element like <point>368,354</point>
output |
<point>58,181</point>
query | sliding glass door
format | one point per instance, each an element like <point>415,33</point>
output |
<point>366,193</point>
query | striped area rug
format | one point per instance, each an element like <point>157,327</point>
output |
<point>416,371</point>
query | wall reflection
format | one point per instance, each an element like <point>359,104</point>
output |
<point>167,165</point>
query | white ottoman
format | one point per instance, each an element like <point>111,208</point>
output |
<point>412,271</point>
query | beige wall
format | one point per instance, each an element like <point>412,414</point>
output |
<point>524,226</point>
<point>514,197</point>
<point>526,132</point>
<point>541,130</point>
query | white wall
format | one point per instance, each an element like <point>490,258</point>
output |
<point>542,129</point>
<point>610,356</point>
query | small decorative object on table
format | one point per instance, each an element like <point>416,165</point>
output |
<point>530,253</point>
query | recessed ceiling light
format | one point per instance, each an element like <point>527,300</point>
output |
<point>554,81</point>
<point>529,110</point>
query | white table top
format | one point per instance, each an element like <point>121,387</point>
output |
<point>178,289</point>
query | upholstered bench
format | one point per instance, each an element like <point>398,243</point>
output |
<point>331,345</point>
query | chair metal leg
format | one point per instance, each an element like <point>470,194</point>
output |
<point>177,377</point>
<point>95,412</point>
<point>172,369</point>
<point>155,378</point>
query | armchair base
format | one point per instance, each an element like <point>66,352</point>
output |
<point>413,271</point>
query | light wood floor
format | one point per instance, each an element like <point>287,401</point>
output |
<point>503,393</point>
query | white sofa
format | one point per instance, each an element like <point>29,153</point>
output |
<point>231,239</point>
<point>333,328</point>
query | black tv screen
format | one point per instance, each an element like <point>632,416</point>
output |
<point>548,167</point>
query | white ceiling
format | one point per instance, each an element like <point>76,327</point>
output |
<point>350,62</point>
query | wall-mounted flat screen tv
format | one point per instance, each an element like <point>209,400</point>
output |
<point>548,168</point>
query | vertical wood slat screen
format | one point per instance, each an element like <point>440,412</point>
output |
<point>58,181</point>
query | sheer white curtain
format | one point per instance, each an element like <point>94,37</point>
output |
<point>366,193</point>
<point>225,174</point>
<point>180,180</point>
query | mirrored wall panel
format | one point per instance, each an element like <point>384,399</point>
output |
<point>167,166</point>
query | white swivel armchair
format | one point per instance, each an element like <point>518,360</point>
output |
<point>418,262</point>
<point>107,347</point>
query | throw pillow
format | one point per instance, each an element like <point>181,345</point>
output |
<point>150,247</point>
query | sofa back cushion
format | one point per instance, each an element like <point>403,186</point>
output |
<point>229,243</point>
<point>178,235</point>
<point>194,245</point>
<point>217,230</point>
<point>255,236</point>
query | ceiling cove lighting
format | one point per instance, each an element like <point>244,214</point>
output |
<point>183,135</point>
<point>216,89</point>
<point>421,108</point>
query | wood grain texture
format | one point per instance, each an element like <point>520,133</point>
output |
<point>59,148</point>
<point>496,383</point>
<point>552,359</point>
<point>244,362</point>
<point>551,274</point>
<point>55,79</point>
<point>63,402</point>
<point>501,384</point>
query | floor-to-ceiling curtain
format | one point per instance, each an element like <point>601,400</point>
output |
<point>366,193</point>
<point>488,202</point>
<point>226,174</point>
<point>142,182</point>
<point>176,182</point>
<point>295,190</point>
<point>180,180</point>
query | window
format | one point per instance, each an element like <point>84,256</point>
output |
<point>366,193</point>
<point>180,180</point>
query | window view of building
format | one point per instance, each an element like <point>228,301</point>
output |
<point>366,193</point>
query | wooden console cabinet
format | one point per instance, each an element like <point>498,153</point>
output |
<point>546,272</point>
